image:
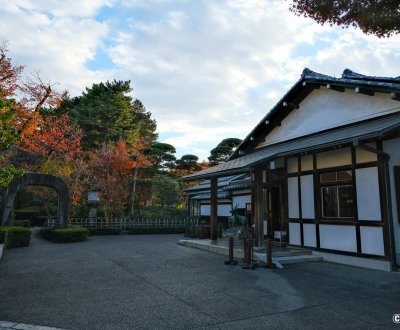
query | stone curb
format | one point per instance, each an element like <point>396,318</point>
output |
<point>5,325</point>
<point>238,253</point>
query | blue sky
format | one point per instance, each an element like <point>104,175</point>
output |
<point>207,70</point>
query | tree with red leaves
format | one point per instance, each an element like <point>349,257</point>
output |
<point>55,137</point>
<point>9,74</point>
<point>112,166</point>
<point>31,94</point>
<point>377,17</point>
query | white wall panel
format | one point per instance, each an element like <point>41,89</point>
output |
<point>294,233</point>
<point>336,237</point>
<point>307,162</point>
<point>363,156</point>
<point>292,165</point>
<point>241,201</point>
<point>205,209</point>
<point>319,111</point>
<point>307,197</point>
<point>293,196</point>
<point>368,201</point>
<point>372,240</point>
<point>224,210</point>
<point>334,158</point>
<point>310,238</point>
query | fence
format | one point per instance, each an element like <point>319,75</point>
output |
<point>125,224</point>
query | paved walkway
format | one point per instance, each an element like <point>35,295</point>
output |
<point>150,282</point>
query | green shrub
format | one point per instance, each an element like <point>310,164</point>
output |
<point>65,235</point>
<point>154,212</point>
<point>146,231</point>
<point>16,236</point>
<point>47,233</point>
<point>21,223</point>
<point>105,231</point>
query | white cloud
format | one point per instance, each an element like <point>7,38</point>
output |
<point>57,47</point>
<point>206,70</point>
<point>65,8</point>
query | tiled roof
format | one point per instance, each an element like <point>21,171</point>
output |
<point>237,185</point>
<point>206,184</point>
<point>373,128</point>
<point>220,195</point>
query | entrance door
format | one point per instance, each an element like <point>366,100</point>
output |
<point>275,208</point>
<point>277,225</point>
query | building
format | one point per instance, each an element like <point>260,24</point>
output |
<point>233,192</point>
<point>325,169</point>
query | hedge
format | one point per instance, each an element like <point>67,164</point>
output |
<point>105,231</point>
<point>21,223</point>
<point>16,236</point>
<point>144,231</point>
<point>65,235</point>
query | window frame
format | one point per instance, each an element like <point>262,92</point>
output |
<point>336,184</point>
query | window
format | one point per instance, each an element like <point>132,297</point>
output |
<point>337,195</point>
<point>195,208</point>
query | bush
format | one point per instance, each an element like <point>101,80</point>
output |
<point>105,231</point>
<point>21,223</point>
<point>145,231</point>
<point>153,212</point>
<point>16,236</point>
<point>47,233</point>
<point>65,235</point>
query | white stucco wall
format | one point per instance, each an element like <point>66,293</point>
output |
<point>368,199</point>
<point>310,238</point>
<point>392,148</point>
<point>307,196</point>
<point>325,108</point>
<point>224,210</point>
<point>337,237</point>
<point>372,240</point>
<point>294,233</point>
<point>334,158</point>
<point>241,201</point>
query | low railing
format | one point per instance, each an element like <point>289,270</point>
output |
<point>125,224</point>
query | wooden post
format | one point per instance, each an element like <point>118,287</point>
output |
<point>214,209</point>
<point>268,252</point>
<point>231,260</point>
<point>258,206</point>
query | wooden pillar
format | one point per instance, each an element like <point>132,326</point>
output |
<point>214,209</point>
<point>258,206</point>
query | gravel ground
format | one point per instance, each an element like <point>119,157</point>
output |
<point>150,282</point>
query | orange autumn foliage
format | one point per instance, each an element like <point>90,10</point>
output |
<point>55,137</point>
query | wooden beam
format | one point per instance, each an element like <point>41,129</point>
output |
<point>290,105</point>
<point>214,209</point>
<point>335,88</point>
<point>395,96</point>
<point>305,83</point>
<point>364,91</point>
